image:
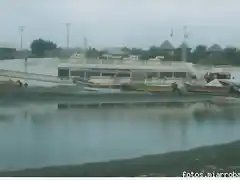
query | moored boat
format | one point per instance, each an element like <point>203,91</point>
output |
<point>9,84</point>
<point>105,90</point>
<point>213,87</point>
<point>151,87</point>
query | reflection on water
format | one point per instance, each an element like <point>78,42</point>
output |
<point>33,135</point>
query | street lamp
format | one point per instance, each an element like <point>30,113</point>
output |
<point>184,45</point>
<point>68,33</point>
<point>21,29</point>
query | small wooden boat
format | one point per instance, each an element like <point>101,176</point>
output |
<point>144,87</point>
<point>213,87</point>
<point>103,90</point>
<point>9,86</point>
<point>96,84</point>
<point>12,84</point>
<point>110,85</point>
<point>150,88</point>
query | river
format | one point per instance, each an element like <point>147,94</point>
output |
<point>43,134</point>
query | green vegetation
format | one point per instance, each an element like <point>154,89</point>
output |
<point>229,56</point>
<point>39,46</point>
<point>212,159</point>
<point>200,55</point>
<point>93,53</point>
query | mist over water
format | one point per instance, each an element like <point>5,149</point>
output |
<point>39,135</point>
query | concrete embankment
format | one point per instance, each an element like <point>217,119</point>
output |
<point>75,94</point>
<point>70,96</point>
<point>212,159</point>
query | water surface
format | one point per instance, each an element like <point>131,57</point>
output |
<point>37,134</point>
<point>40,135</point>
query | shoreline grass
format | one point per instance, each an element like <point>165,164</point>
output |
<point>216,158</point>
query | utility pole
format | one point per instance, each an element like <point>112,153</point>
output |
<point>171,33</point>
<point>184,45</point>
<point>21,29</point>
<point>85,44</point>
<point>68,33</point>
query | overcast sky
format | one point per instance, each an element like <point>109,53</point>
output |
<point>134,23</point>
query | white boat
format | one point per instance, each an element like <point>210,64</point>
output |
<point>104,90</point>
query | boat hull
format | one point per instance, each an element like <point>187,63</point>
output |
<point>105,90</point>
<point>146,88</point>
<point>207,89</point>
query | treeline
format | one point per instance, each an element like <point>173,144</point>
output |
<point>198,55</point>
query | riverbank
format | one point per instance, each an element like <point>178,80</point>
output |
<point>217,158</point>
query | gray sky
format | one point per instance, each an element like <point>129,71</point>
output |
<point>134,23</point>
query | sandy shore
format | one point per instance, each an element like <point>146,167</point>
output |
<point>210,159</point>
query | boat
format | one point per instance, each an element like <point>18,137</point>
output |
<point>210,76</point>
<point>104,90</point>
<point>216,86</point>
<point>218,81</point>
<point>12,84</point>
<point>151,87</point>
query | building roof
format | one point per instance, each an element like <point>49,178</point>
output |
<point>163,67</point>
<point>166,45</point>
<point>215,48</point>
<point>184,45</point>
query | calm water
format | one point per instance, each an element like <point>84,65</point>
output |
<point>38,135</point>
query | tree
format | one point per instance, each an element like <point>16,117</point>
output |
<point>93,53</point>
<point>232,55</point>
<point>216,59</point>
<point>39,46</point>
<point>199,53</point>
<point>154,51</point>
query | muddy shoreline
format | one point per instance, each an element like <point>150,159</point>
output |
<point>217,158</point>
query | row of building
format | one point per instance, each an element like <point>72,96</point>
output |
<point>166,46</point>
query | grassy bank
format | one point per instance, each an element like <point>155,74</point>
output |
<point>218,158</point>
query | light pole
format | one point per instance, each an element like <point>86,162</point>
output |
<point>21,29</point>
<point>68,33</point>
<point>184,45</point>
<point>85,44</point>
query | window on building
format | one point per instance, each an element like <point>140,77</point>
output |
<point>90,74</point>
<point>180,74</point>
<point>108,74</point>
<point>77,73</point>
<point>108,70</point>
<point>63,72</point>
<point>166,74</point>
<point>152,74</point>
<point>123,75</point>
